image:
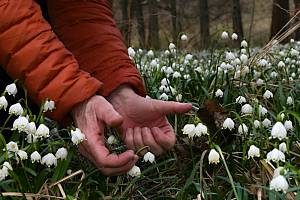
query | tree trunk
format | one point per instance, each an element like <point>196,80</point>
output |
<point>174,20</point>
<point>204,24</point>
<point>280,16</point>
<point>297,9</point>
<point>126,26</point>
<point>139,15</point>
<point>153,36</point>
<point>237,23</point>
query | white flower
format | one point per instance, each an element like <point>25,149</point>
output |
<point>200,129</point>
<point>3,103</point>
<point>262,62</point>
<point>22,154</point>
<point>3,174</point>
<point>234,36</point>
<point>49,105</point>
<point>219,93</point>
<point>266,122</point>
<point>172,46</point>
<point>224,35</point>
<point>294,52</point>
<point>281,64</point>
<point>165,82</point>
<point>262,110</point>
<point>256,124</point>
<point>31,138</point>
<point>153,64</point>
<point>69,171</point>
<point>131,52</point>
<point>176,75</point>
<point>189,129</point>
<point>31,128</point>
<point>35,157</point>
<point>77,136</point>
<point>112,140</point>
<point>259,82</point>
<point>229,56</point>
<point>149,157</point>
<point>20,124</point>
<point>7,166</point>
<point>42,131</point>
<point>164,97</point>
<point>279,171</point>
<point>278,131</point>
<point>228,124</point>
<point>179,97</point>
<point>183,37</point>
<point>243,129</point>
<point>244,44</point>
<point>243,51</point>
<point>273,74</point>
<point>12,146</point>
<point>244,58</point>
<point>169,71</point>
<point>213,157</point>
<point>282,147</point>
<point>247,109</point>
<point>150,53</point>
<point>253,152</point>
<point>61,153</point>
<point>279,183</point>
<point>11,89</point>
<point>49,160</point>
<point>15,109</point>
<point>188,57</point>
<point>167,52</point>
<point>289,101</point>
<point>240,100</point>
<point>275,155</point>
<point>268,95</point>
<point>288,125</point>
<point>135,171</point>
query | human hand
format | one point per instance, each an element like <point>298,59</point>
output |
<point>145,122</point>
<point>91,117</point>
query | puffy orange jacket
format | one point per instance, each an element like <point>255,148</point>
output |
<point>32,53</point>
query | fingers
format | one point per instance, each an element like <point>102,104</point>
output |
<point>138,139</point>
<point>109,171</point>
<point>109,115</point>
<point>149,140</point>
<point>168,107</point>
<point>165,139</point>
<point>129,139</point>
<point>120,170</point>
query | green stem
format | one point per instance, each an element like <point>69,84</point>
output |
<point>228,172</point>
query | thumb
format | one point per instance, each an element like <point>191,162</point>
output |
<point>168,107</point>
<point>110,116</point>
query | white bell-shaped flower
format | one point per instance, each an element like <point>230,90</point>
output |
<point>149,157</point>
<point>253,152</point>
<point>135,171</point>
<point>278,131</point>
<point>213,157</point>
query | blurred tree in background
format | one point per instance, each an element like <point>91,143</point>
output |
<point>155,23</point>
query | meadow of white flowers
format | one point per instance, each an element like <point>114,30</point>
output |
<point>244,126</point>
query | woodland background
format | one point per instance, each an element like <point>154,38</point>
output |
<point>155,23</point>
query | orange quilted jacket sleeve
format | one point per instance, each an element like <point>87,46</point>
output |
<point>30,52</point>
<point>88,30</point>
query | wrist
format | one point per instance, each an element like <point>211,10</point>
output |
<point>122,93</point>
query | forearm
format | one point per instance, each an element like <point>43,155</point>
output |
<point>30,52</point>
<point>89,31</point>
